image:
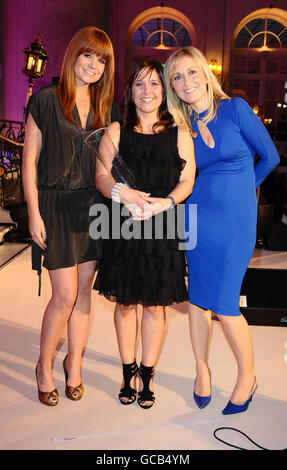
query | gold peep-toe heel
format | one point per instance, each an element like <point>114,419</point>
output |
<point>47,398</point>
<point>73,393</point>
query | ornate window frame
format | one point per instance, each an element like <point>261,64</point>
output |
<point>149,14</point>
<point>264,13</point>
<point>269,105</point>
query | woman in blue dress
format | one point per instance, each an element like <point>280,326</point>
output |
<point>227,135</point>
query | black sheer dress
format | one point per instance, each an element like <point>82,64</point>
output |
<point>66,183</point>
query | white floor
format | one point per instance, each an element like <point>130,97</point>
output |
<point>99,421</point>
<point>264,259</point>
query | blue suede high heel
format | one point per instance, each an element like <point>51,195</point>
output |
<point>232,408</point>
<point>201,402</point>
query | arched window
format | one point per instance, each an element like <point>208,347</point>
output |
<point>162,33</point>
<point>259,66</point>
<point>157,32</point>
<point>265,33</point>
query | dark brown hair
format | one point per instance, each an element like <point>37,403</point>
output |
<point>131,120</point>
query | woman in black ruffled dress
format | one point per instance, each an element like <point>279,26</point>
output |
<point>145,266</point>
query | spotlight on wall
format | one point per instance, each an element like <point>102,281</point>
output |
<point>256,109</point>
<point>35,62</point>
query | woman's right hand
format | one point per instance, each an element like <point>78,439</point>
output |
<point>135,201</point>
<point>37,230</point>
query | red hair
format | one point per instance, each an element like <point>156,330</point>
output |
<point>92,40</point>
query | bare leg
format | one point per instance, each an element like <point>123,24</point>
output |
<point>64,294</point>
<point>153,325</point>
<point>200,326</point>
<point>152,329</point>
<point>78,323</point>
<point>126,324</point>
<point>237,333</point>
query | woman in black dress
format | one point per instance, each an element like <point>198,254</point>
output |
<point>58,178</point>
<point>147,270</point>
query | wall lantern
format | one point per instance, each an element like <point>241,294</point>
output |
<point>35,62</point>
<point>215,68</point>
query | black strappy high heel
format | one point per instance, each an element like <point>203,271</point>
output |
<point>128,394</point>
<point>146,374</point>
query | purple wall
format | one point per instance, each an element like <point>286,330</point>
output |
<point>58,20</point>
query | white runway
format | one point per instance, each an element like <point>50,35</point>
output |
<point>99,421</point>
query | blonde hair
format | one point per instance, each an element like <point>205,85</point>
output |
<point>95,41</point>
<point>181,110</point>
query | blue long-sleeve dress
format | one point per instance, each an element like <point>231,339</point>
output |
<point>225,197</point>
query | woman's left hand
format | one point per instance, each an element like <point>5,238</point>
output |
<point>155,206</point>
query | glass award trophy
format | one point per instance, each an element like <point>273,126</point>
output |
<point>101,142</point>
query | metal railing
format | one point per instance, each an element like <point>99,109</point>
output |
<point>11,153</point>
<point>14,130</point>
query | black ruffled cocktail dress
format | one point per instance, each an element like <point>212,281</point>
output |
<point>149,269</point>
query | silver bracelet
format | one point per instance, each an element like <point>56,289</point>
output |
<point>173,203</point>
<point>115,194</point>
